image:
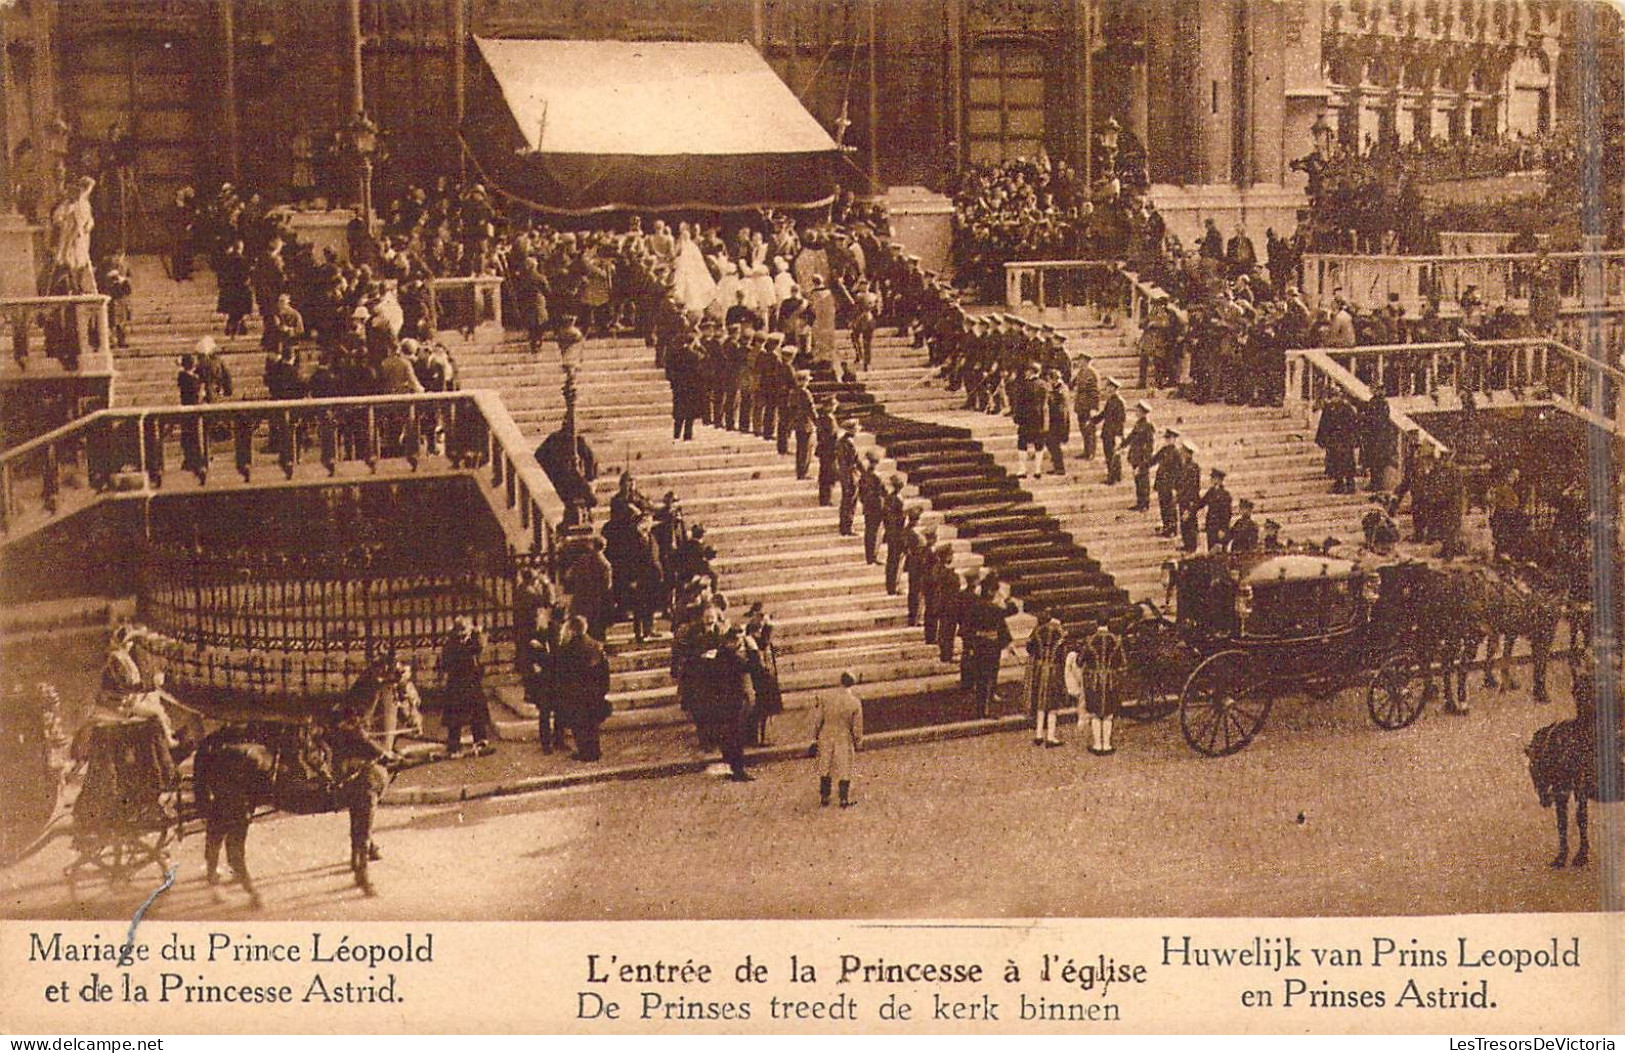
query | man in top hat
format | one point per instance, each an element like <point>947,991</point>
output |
<point>1217,502</point>
<point>1141,442</point>
<point>1112,418</point>
<point>1167,461</point>
<point>799,419</point>
<point>827,432</point>
<point>987,634</point>
<point>1086,402</point>
<point>1187,493</point>
<point>897,522</point>
<point>1244,531</point>
<point>847,463</point>
<point>872,498</point>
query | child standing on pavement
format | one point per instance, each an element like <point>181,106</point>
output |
<point>837,736</point>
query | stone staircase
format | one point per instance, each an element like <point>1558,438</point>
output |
<point>774,543</point>
<point>1268,454</point>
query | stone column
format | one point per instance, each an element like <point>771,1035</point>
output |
<point>7,178</point>
<point>226,30</point>
<point>457,42</point>
<point>955,93</point>
<point>352,45</point>
<point>17,268</point>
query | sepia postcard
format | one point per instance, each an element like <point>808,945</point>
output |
<point>830,516</point>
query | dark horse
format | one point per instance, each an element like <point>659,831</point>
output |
<point>1564,762</point>
<point>1454,611</point>
<point>301,768</point>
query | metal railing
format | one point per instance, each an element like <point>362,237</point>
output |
<point>74,330</point>
<point>131,451</point>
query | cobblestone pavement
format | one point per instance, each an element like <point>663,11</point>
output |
<point>1323,814</point>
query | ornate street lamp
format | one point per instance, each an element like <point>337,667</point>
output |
<point>1108,146</point>
<point>1322,132</point>
<point>362,135</point>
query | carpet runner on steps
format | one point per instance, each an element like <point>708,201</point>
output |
<point>986,506</point>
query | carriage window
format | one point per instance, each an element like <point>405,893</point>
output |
<point>1284,609</point>
<point>1338,604</point>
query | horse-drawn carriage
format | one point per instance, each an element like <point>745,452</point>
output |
<point>139,794</point>
<point>1251,628</point>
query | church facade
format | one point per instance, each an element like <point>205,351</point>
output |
<point>1218,96</point>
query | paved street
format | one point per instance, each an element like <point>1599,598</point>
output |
<point>1323,814</point>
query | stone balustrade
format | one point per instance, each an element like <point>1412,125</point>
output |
<point>471,304</point>
<point>74,330</point>
<point>1062,285</point>
<point>1584,280</point>
<point>142,452</point>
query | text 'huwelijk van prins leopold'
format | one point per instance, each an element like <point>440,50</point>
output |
<point>1275,953</point>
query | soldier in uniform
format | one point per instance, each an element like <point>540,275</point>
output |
<point>987,634</point>
<point>1187,493</point>
<point>827,431</point>
<point>1045,683</point>
<point>747,382</point>
<point>1141,441</point>
<point>1273,542</point>
<point>846,475</point>
<point>1111,418</point>
<point>785,385</point>
<point>916,552</point>
<point>968,596</point>
<point>1244,531</point>
<point>937,557</point>
<point>799,418</point>
<point>950,606</point>
<point>1217,502</point>
<point>1086,402</point>
<point>1167,461</point>
<point>872,497</point>
<point>898,518</point>
<point>1058,416</point>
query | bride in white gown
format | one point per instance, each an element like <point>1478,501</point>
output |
<point>692,279</point>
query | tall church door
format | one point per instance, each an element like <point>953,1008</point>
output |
<point>1004,101</point>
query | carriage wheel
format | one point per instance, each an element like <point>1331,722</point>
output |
<point>1221,708</point>
<point>1161,679</point>
<point>1393,696</point>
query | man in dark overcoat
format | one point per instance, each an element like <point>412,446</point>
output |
<point>582,678</point>
<point>1339,435</point>
<point>463,689</point>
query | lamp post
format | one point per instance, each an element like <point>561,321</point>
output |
<point>1108,147</point>
<point>1321,131</point>
<point>363,143</point>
